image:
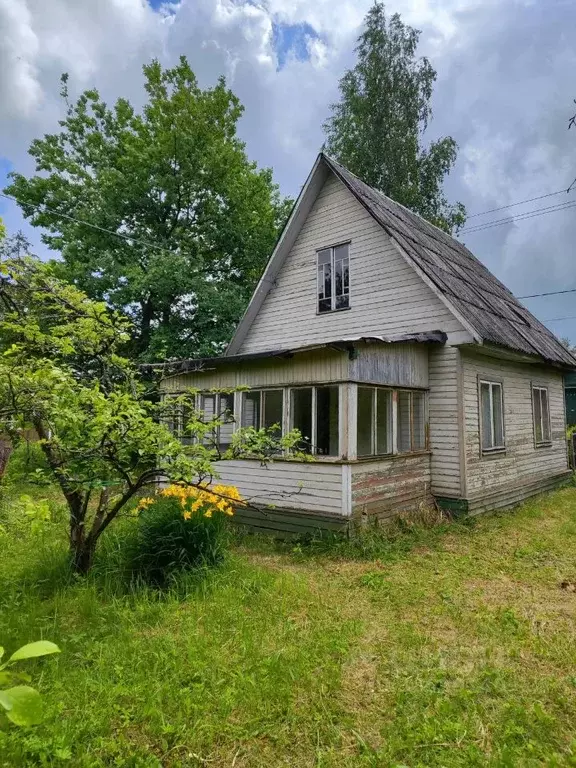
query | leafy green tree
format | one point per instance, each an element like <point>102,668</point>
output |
<point>194,219</point>
<point>377,128</point>
<point>104,437</point>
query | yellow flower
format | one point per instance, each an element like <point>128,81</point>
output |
<point>204,499</point>
<point>145,502</point>
<point>187,515</point>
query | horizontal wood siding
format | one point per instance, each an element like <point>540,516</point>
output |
<point>313,487</point>
<point>443,411</point>
<point>388,487</point>
<point>386,295</point>
<point>522,462</point>
<point>402,365</point>
<point>284,523</point>
<point>322,365</point>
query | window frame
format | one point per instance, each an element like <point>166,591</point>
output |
<point>411,392</point>
<point>493,449</point>
<point>374,426</point>
<point>314,411</point>
<point>537,387</point>
<point>261,412</point>
<point>333,308</point>
<point>217,414</point>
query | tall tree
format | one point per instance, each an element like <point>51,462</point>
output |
<point>179,223</point>
<point>377,128</point>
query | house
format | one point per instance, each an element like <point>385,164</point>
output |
<point>412,373</point>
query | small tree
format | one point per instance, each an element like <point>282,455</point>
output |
<point>376,129</point>
<point>103,435</point>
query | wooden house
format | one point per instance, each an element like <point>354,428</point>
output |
<point>414,375</point>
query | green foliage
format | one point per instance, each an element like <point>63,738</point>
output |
<point>103,433</point>
<point>27,464</point>
<point>175,175</point>
<point>376,129</point>
<point>168,544</point>
<point>22,704</point>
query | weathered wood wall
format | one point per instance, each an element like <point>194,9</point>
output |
<point>401,365</point>
<point>316,486</point>
<point>522,464</point>
<point>387,487</point>
<point>321,365</point>
<point>445,421</point>
<point>386,295</point>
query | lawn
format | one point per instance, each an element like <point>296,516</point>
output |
<point>452,646</point>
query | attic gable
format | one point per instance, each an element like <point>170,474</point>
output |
<point>387,294</point>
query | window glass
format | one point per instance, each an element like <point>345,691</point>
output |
<point>486,415</point>
<point>404,427</point>
<point>545,416</point>
<point>418,421</point>
<point>383,421</point>
<point>226,417</point>
<point>365,421</point>
<point>541,415</point>
<point>273,407</point>
<point>302,416</point>
<point>333,266</point>
<point>251,409</point>
<point>327,421</point>
<point>498,416</point>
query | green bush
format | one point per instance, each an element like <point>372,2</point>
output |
<point>167,543</point>
<point>26,464</point>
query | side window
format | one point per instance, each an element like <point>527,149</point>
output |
<point>218,407</point>
<point>411,427</point>
<point>374,421</point>
<point>541,415</point>
<point>491,415</point>
<point>262,408</point>
<point>333,275</point>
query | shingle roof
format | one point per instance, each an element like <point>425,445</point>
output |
<point>490,309</point>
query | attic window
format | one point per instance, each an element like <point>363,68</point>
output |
<point>333,269</point>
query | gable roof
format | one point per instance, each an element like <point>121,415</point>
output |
<point>492,313</point>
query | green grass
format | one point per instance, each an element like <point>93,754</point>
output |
<point>450,646</point>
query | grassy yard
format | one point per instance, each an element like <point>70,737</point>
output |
<point>446,647</point>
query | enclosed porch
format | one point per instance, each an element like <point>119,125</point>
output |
<point>361,406</point>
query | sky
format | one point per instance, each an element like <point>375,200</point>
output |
<point>505,91</point>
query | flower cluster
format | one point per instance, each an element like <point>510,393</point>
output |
<point>207,499</point>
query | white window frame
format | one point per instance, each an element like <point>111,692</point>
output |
<point>261,391</point>
<point>390,438</point>
<point>492,448</point>
<point>314,430</point>
<point>333,307</point>
<point>411,392</point>
<point>537,389</point>
<point>217,412</point>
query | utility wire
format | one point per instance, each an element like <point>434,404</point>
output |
<point>520,217</point>
<point>520,202</point>
<point>555,319</point>
<point>550,293</point>
<point>43,208</point>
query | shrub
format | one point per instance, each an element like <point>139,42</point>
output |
<point>182,528</point>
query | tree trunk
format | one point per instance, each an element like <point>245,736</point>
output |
<point>82,550</point>
<point>5,451</point>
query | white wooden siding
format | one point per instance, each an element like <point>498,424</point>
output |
<point>445,432</point>
<point>313,486</point>
<point>308,367</point>
<point>386,295</point>
<point>521,462</point>
<point>385,487</point>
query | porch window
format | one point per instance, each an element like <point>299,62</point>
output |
<point>374,422</point>
<point>541,415</point>
<point>333,270</point>
<point>263,409</point>
<point>176,418</point>
<point>218,406</point>
<point>491,416</point>
<point>314,411</point>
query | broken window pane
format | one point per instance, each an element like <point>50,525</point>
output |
<point>302,416</point>
<point>327,421</point>
<point>383,421</point>
<point>365,421</point>
<point>273,402</point>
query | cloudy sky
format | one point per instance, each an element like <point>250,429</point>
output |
<point>505,90</point>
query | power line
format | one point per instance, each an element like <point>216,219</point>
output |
<point>520,217</point>
<point>549,293</point>
<point>555,319</point>
<point>123,236</point>
<point>520,202</point>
